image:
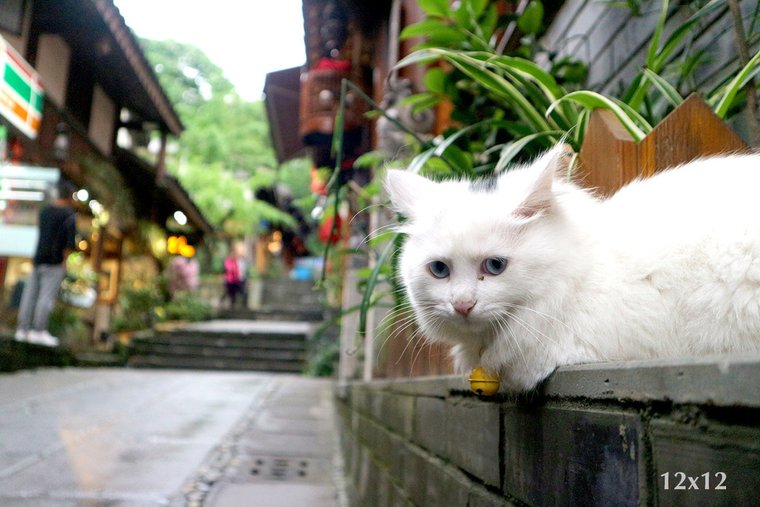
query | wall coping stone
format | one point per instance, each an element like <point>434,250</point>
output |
<point>724,380</point>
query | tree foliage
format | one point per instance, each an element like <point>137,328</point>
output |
<point>225,153</point>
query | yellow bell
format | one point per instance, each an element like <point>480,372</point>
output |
<point>483,383</point>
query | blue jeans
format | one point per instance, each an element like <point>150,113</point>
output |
<point>40,294</point>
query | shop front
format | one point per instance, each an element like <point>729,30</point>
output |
<point>24,190</point>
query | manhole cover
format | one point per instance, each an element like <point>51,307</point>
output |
<point>268,468</point>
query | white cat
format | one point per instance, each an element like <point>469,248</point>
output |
<point>528,271</point>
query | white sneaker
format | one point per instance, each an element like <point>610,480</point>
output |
<point>21,335</point>
<point>42,338</point>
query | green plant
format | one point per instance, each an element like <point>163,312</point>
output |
<point>324,361</point>
<point>546,110</point>
<point>186,306</point>
<point>137,308</point>
<point>509,107</point>
<point>67,324</point>
<point>469,40</point>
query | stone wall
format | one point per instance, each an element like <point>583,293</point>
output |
<point>607,434</point>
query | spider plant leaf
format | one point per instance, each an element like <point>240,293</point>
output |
<point>658,56</point>
<point>737,83</point>
<point>420,56</point>
<point>667,90</point>
<point>419,161</point>
<point>372,282</point>
<point>671,44</point>
<point>593,100</point>
<point>499,86</point>
<point>654,46</point>
<point>510,150</point>
<point>421,29</point>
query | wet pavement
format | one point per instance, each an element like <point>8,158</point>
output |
<point>121,437</point>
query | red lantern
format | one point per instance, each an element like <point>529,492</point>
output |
<point>326,232</point>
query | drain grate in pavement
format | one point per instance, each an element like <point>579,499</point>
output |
<point>269,468</point>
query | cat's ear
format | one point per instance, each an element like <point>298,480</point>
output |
<point>552,166</point>
<point>405,188</point>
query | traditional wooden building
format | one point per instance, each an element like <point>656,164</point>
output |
<point>79,100</point>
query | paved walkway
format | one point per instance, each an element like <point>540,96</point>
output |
<point>139,438</point>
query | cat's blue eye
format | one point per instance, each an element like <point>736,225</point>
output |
<point>438,269</point>
<point>494,265</point>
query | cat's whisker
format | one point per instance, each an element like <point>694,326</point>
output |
<point>533,310</point>
<point>366,208</point>
<point>514,343</point>
<point>424,344</point>
<point>401,325</point>
<point>531,329</point>
<point>582,339</point>
<point>410,340</point>
<point>376,233</point>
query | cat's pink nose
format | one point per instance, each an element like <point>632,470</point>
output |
<point>464,307</point>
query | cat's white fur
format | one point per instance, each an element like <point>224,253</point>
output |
<point>668,266</point>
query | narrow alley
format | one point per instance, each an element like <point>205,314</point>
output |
<point>123,437</point>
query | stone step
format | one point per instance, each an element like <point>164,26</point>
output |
<point>214,363</point>
<point>284,341</point>
<point>226,345</point>
<point>281,313</point>
<point>270,353</point>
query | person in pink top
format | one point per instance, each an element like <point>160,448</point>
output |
<point>232,279</point>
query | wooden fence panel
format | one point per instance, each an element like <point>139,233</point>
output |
<point>610,158</point>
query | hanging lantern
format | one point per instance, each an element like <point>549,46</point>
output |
<point>326,232</point>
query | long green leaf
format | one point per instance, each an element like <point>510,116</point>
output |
<point>580,129</point>
<point>593,100</point>
<point>645,126</point>
<point>371,284</point>
<point>419,56</point>
<point>545,81</point>
<point>667,90</point>
<point>474,64</point>
<point>679,33</point>
<point>421,159</point>
<point>499,86</point>
<point>658,56</point>
<point>420,29</point>
<point>737,83</point>
<point>654,45</point>
<point>532,71</point>
<point>510,150</point>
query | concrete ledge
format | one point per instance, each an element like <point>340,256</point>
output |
<point>731,380</point>
<point>718,380</point>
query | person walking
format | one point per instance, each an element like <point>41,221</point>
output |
<point>57,236</point>
<point>231,278</point>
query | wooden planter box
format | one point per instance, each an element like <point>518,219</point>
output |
<point>610,157</point>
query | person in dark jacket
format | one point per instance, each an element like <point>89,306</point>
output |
<point>57,235</point>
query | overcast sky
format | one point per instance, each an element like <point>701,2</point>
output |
<point>245,38</point>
